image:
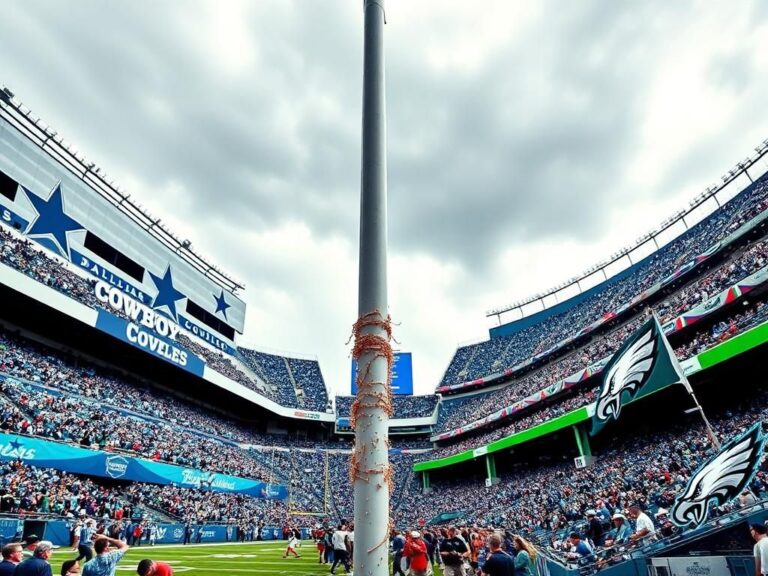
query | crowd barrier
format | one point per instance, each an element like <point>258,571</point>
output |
<point>69,458</point>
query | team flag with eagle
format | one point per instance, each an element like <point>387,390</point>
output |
<point>643,364</point>
<point>720,479</point>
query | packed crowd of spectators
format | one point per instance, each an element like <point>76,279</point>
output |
<point>203,506</point>
<point>27,490</point>
<point>648,468</point>
<point>309,476</point>
<point>404,481</point>
<point>485,358</point>
<point>455,413</point>
<point>402,406</point>
<point>66,399</point>
<point>87,422</point>
<point>29,258</point>
<point>274,370</point>
<point>32,260</point>
<point>309,380</point>
<point>742,319</point>
<point>752,259</point>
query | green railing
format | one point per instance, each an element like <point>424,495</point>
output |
<point>717,354</point>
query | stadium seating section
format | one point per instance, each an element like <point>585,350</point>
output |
<point>47,393</point>
<point>402,406</point>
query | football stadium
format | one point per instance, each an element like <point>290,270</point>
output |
<point>611,424</point>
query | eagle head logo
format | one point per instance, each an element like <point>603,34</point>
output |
<point>628,374</point>
<point>720,480</point>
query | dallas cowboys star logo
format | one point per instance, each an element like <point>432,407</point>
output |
<point>167,295</point>
<point>221,304</point>
<point>51,225</point>
<point>15,444</point>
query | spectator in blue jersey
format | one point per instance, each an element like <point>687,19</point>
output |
<point>12,555</point>
<point>105,562</point>
<point>621,530</point>
<point>581,550</point>
<point>498,562</point>
<point>85,545</point>
<point>38,564</point>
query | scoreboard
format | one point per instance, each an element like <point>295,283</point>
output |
<point>402,374</point>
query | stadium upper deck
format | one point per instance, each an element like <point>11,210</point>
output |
<point>72,231</point>
<point>516,346</point>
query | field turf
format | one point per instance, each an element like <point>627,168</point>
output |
<point>252,559</point>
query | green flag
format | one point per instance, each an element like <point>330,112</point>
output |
<point>643,364</point>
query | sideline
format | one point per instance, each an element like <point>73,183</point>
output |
<point>202,544</point>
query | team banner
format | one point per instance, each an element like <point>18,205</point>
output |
<point>642,365</point>
<point>48,454</point>
<point>146,335</point>
<point>721,479</point>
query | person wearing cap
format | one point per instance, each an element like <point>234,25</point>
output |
<point>760,551</point>
<point>85,542</point>
<point>12,555</point>
<point>153,568</point>
<point>38,564</point>
<point>105,562</point>
<point>30,544</point>
<point>666,527</point>
<point>416,550</point>
<point>621,530</point>
<point>595,529</point>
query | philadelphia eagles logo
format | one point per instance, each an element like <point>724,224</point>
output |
<point>628,374</point>
<point>721,479</point>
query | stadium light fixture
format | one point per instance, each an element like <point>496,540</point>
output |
<point>6,95</point>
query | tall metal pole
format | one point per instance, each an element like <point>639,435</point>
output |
<point>370,463</point>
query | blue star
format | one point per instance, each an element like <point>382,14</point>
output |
<point>221,304</point>
<point>52,223</point>
<point>167,295</point>
<point>15,444</point>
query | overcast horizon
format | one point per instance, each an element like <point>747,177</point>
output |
<point>526,142</point>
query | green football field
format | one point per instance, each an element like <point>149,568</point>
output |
<point>220,559</point>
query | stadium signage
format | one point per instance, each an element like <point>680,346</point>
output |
<point>200,479</point>
<point>116,466</point>
<point>135,311</point>
<point>12,219</point>
<point>107,276</point>
<point>16,450</point>
<point>204,334</point>
<point>306,415</point>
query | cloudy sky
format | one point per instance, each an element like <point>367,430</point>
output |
<point>527,140</point>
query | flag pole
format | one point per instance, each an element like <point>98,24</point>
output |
<point>370,473</point>
<point>684,381</point>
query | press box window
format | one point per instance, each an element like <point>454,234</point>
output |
<point>114,257</point>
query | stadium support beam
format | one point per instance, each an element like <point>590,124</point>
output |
<point>582,440</point>
<point>370,471</point>
<point>427,487</point>
<point>490,469</point>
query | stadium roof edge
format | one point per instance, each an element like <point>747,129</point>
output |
<point>51,142</point>
<point>741,168</point>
